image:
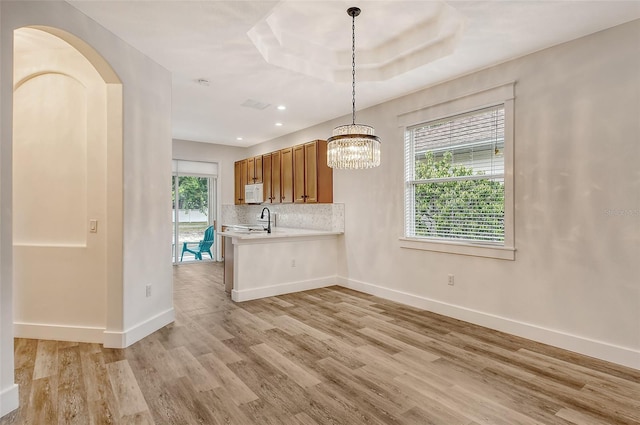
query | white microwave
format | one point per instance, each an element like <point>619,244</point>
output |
<point>253,194</point>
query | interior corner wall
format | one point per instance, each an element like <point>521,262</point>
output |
<point>574,282</point>
<point>144,172</point>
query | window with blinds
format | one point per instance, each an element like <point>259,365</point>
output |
<point>455,178</point>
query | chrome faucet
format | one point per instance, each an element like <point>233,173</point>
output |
<point>268,218</point>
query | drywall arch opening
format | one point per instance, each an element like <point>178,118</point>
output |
<point>67,175</point>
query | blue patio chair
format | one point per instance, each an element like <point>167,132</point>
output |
<point>203,246</point>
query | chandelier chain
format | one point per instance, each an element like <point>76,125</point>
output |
<point>353,69</point>
<point>353,146</point>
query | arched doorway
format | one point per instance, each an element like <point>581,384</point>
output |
<point>67,189</point>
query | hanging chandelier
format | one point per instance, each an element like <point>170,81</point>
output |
<point>353,146</point>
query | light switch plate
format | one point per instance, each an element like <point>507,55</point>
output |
<point>93,226</point>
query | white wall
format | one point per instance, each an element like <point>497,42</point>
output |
<point>574,282</point>
<point>59,182</point>
<point>144,244</point>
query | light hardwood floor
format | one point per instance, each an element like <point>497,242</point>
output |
<point>327,356</point>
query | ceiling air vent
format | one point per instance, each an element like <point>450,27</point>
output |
<point>250,103</point>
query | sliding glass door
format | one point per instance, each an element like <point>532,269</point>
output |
<point>194,212</point>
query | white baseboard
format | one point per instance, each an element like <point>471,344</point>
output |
<point>9,400</point>
<point>616,354</point>
<point>110,339</point>
<point>280,289</point>
<point>117,339</point>
<point>57,332</point>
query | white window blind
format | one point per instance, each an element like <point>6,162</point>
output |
<point>194,168</point>
<point>455,178</point>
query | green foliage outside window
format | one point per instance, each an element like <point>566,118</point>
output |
<point>464,209</point>
<point>194,193</point>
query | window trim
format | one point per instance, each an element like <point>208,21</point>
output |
<point>502,94</point>
<point>460,248</point>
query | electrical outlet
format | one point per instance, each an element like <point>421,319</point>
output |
<point>148,290</point>
<point>293,262</point>
<point>450,280</point>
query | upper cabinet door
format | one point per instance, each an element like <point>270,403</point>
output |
<point>276,179</point>
<point>299,187</point>
<point>313,179</point>
<point>287,175</point>
<point>311,172</point>
<point>240,174</point>
<point>251,176</point>
<point>254,170</point>
<point>324,174</point>
<point>258,170</point>
<point>267,173</point>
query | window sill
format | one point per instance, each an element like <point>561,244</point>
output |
<point>475,250</point>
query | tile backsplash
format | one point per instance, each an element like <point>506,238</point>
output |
<point>300,216</point>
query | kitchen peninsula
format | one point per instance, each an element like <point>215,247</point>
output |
<point>258,264</point>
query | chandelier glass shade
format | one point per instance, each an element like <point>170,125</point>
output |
<point>353,146</point>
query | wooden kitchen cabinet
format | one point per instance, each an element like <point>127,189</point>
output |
<point>312,178</point>
<point>297,174</point>
<point>240,174</point>
<point>286,171</point>
<point>254,170</point>
<point>271,174</point>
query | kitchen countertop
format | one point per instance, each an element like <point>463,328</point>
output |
<point>276,233</point>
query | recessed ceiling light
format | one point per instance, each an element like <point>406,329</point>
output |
<point>238,138</point>
<point>278,124</point>
<point>281,108</point>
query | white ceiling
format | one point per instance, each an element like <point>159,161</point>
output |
<point>297,52</point>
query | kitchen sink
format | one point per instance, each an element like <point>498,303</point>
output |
<point>246,228</point>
